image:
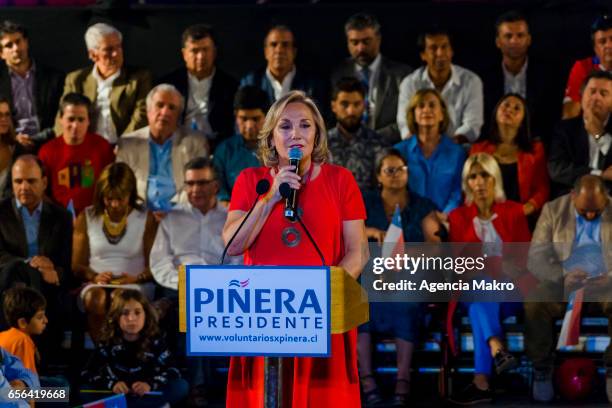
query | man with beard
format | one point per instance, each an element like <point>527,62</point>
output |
<point>582,145</point>
<point>240,151</point>
<point>351,144</point>
<point>380,75</point>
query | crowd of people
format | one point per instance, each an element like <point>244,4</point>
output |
<point>110,180</point>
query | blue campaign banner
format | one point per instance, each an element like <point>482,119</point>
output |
<point>258,310</point>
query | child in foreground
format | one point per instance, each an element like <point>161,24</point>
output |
<point>24,311</point>
<point>132,357</point>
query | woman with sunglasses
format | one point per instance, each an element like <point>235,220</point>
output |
<point>400,319</point>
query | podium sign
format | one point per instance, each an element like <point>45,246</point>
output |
<point>258,311</point>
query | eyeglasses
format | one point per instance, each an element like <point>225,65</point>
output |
<point>199,183</point>
<point>390,171</point>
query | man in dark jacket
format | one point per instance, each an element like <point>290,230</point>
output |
<point>33,89</point>
<point>208,90</point>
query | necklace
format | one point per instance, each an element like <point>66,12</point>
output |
<point>114,231</point>
<point>308,174</point>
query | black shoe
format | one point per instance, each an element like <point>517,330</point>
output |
<point>472,395</point>
<point>371,398</point>
<point>401,399</point>
<point>504,361</point>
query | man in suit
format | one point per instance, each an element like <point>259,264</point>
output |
<point>158,152</point>
<point>582,145</point>
<point>36,241</point>
<point>281,74</point>
<point>572,228</point>
<point>521,74</point>
<point>117,92</point>
<point>380,75</point>
<point>33,89</point>
<point>207,89</point>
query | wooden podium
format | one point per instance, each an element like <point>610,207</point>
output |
<point>349,302</point>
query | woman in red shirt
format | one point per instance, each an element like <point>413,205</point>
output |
<point>522,161</point>
<point>331,207</point>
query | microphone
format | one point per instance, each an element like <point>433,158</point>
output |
<point>290,194</point>
<point>262,187</point>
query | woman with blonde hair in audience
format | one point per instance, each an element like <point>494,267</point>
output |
<point>522,160</point>
<point>111,244</point>
<point>487,218</point>
<point>434,160</point>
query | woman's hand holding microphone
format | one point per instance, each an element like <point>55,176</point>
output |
<point>285,174</point>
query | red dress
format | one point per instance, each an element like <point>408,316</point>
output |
<point>327,201</point>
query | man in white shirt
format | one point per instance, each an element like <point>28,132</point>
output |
<point>280,74</point>
<point>118,92</point>
<point>461,88</point>
<point>191,232</point>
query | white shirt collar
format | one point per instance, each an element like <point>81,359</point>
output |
<point>101,81</point>
<point>186,206</point>
<point>521,73</point>
<point>204,81</point>
<point>285,87</point>
<point>453,80</point>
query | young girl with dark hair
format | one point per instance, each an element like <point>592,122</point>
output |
<point>132,357</point>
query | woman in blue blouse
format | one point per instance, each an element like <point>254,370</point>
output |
<point>419,224</point>
<point>434,160</point>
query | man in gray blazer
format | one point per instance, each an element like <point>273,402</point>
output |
<point>380,75</point>
<point>158,152</point>
<point>570,249</point>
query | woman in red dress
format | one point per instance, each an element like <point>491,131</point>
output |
<point>331,207</point>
